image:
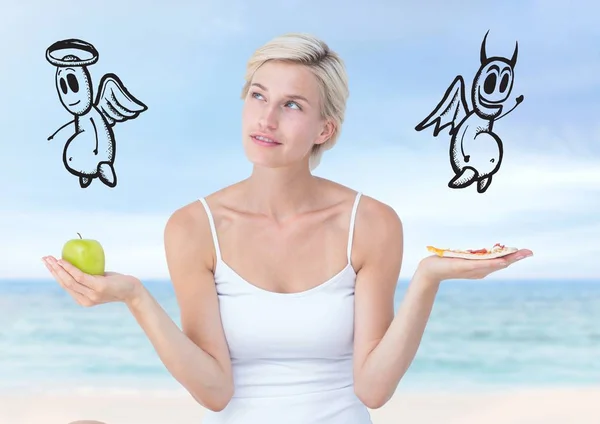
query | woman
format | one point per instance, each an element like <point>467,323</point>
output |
<point>285,280</point>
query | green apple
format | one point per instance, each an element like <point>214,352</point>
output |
<point>85,254</point>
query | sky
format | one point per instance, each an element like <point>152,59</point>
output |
<point>186,59</point>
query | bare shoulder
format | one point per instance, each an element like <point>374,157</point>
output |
<point>188,228</point>
<point>190,254</point>
<point>187,231</point>
<point>377,228</point>
<point>379,231</point>
<point>370,208</point>
<point>377,215</point>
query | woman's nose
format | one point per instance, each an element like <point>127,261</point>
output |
<point>269,118</point>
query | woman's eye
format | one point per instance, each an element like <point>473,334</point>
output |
<point>292,103</point>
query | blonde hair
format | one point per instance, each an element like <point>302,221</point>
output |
<point>326,65</point>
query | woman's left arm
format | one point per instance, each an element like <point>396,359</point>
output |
<point>385,342</point>
<point>384,356</point>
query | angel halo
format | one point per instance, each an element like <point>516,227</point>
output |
<point>73,53</point>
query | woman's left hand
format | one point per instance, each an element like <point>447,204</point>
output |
<point>438,269</point>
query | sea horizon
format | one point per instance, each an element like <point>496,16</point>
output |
<point>482,335</point>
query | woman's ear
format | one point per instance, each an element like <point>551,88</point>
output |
<point>326,132</point>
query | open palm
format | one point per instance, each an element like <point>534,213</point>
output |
<point>90,290</point>
<point>456,268</point>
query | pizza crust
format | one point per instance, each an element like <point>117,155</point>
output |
<point>455,253</point>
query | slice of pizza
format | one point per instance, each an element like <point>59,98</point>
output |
<point>497,251</point>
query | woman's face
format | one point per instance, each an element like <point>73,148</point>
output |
<point>281,118</point>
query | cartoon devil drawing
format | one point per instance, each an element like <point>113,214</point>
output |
<point>475,150</point>
<point>90,151</point>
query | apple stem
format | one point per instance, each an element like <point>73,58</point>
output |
<point>80,236</point>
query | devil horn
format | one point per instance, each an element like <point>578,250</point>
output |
<point>483,56</point>
<point>513,60</point>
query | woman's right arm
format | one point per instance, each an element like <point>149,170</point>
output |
<point>197,355</point>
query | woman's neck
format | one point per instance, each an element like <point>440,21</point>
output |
<point>280,193</point>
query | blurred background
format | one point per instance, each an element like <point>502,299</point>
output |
<point>535,324</point>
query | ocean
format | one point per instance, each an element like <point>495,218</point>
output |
<point>482,335</point>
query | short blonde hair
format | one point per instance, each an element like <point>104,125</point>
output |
<point>326,65</point>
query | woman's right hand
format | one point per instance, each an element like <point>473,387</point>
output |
<point>90,290</point>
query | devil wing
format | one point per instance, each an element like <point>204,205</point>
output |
<point>450,111</point>
<point>115,102</point>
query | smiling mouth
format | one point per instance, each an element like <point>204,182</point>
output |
<point>73,104</point>
<point>491,105</point>
<point>264,140</point>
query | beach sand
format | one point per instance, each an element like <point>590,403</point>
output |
<point>543,406</point>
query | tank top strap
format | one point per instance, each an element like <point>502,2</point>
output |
<point>213,229</point>
<point>352,224</point>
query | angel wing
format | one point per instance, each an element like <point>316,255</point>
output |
<point>115,102</point>
<point>450,111</point>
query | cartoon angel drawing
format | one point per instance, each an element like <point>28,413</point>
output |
<point>476,151</point>
<point>90,150</point>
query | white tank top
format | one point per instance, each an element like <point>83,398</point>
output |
<point>291,353</point>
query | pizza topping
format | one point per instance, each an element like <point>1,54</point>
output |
<point>478,251</point>
<point>497,248</point>
<point>439,252</point>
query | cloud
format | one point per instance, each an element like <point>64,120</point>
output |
<point>530,204</point>
<point>178,58</point>
<point>133,242</point>
<point>525,182</point>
